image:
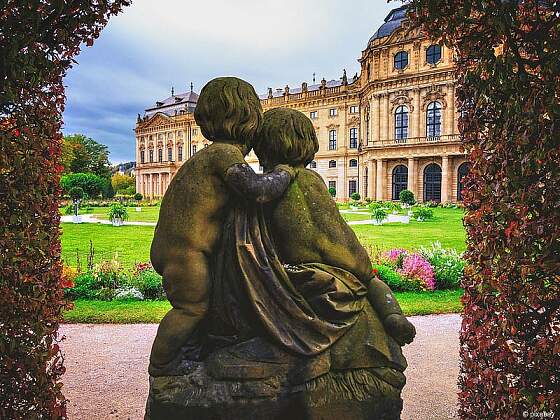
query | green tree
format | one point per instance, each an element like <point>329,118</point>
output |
<point>91,184</point>
<point>121,183</point>
<point>81,154</point>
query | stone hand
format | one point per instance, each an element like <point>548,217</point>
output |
<point>288,169</point>
<point>400,328</point>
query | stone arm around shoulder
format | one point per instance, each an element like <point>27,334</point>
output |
<point>259,188</point>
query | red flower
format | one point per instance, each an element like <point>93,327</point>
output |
<point>17,132</point>
<point>375,272</point>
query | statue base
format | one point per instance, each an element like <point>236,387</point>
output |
<point>347,394</point>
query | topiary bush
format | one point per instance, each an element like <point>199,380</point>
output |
<point>38,44</point>
<point>508,60</point>
<point>332,192</point>
<point>407,197</point>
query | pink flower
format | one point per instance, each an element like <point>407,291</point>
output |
<point>394,254</point>
<point>417,268</point>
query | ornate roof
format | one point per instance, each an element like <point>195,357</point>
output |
<point>174,104</point>
<point>392,22</point>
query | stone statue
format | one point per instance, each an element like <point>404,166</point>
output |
<point>276,312</point>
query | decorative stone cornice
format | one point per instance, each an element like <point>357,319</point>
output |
<point>434,93</point>
<point>402,98</point>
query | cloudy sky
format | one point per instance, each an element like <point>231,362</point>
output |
<point>157,44</point>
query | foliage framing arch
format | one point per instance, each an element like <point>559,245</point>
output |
<point>508,64</point>
<point>39,41</point>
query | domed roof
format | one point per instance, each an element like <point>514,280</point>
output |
<point>392,22</point>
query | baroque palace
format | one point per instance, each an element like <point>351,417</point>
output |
<point>393,127</point>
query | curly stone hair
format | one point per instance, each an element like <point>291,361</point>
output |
<point>287,137</point>
<point>229,110</point>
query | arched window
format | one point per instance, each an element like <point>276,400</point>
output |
<point>433,120</point>
<point>400,180</point>
<point>142,156</point>
<point>169,154</point>
<point>332,163</point>
<point>353,163</point>
<point>432,182</point>
<point>151,154</point>
<point>401,124</point>
<point>462,172</point>
<point>160,155</point>
<point>193,149</point>
<point>313,165</point>
<point>332,140</point>
<point>433,54</point>
<point>353,138</point>
<point>180,153</point>
<point>401,60</point>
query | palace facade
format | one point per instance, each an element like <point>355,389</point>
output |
<point>392,127</point>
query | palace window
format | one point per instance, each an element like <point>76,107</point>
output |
<point>160,155</point>
<point>332,163</point>
<point>332,112</point>
<point>332,140</point>
<point>332,184</point>
<point>433,120</point>
<point>193,149</point>
<point>352,187</point>
<point>313,165</point>
<point>169,154</point>
<point>142,156</point>
<point>432,182</point>
<point>462,172</point>
<point>354,109</point>
<point>313,115</point>
<point>401,60</point>
<point>353,163</point>
<point>401,124</point>
<point>353,138</point>
<point>151,153</point>
<point>194,132</point>
<point>433,54</point>
<point>400,180</point>
<point>180,153</point>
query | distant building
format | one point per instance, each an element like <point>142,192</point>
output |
<point>128,168</point>
<point>392,127</point>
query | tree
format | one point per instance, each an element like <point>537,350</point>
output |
<point>93,185</point>
<point>332,192</point>
<point>39,41</point>
<point>121,183</point>
<point>81,154</point>
<point>508,61</point>
<point>407,197</point>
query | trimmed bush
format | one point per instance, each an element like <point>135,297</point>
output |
<point>332,192</point>
<point>422,213</point>
<point>407,197</point>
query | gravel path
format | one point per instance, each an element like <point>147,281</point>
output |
<point>107,378</point>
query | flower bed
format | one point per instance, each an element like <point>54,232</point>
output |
<point>431,268</point>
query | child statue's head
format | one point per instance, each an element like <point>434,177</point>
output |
<point>287,137</point>
<point>229,110</point>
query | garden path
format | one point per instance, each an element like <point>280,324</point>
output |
<point>107,376</point>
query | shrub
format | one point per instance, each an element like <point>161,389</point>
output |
<point>395,257</point>
<point>422,213</point>
<point>432,204</point>
<point>117,210</point>
<point>147,281</point>
<point>448,265</point>
<point>416,268</point>
<point>378,215</point>
<point>90,183</point>
<point>394,280</point>
<point>355,196</point>
<point>69,209</point>
<point>138,197</point>
<point>76,193</point>
<point>407,197</point>
<point>332,192</point>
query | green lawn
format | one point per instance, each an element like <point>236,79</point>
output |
<point>132,243</point>
<point>147,214</point>
<point>351,217</point>
<point>114,312</point>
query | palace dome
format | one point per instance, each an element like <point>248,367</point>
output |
<point>392,22</point>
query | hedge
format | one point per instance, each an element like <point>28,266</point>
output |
<point>508,71</point>
<point>39,40</point>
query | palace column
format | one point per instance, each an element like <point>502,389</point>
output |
<point>371,178</point>
<point>149,185</point>
<point>375,133</point>
<point>160,184</point>
<point>386,117</point>
<point>412,177</point>
<point>417,132</point>
<point>450,115</point>
<point>380,180</point>
<point>445,179</point>
<point>364,181</point>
